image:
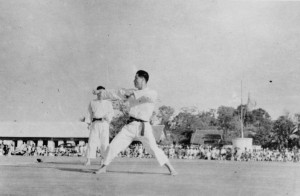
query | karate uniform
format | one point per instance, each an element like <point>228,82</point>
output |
<point>99,130</point>
<point>141,106</point>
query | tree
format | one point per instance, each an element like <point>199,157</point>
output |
<point>251,116</point>
<point>208,119</point>
<point>262,126</point>
<point>185,123</point>
<point>164,115</point>
<point>282,129</point>
<point>117,123</point>
<point>182,127</point>
<point>238,112</point>
<point>228,121</point>
<point>263,138</point>
<point>260,115</point>
<point>188,121</point>
<point>119,120</point>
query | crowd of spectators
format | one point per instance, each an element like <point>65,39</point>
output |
<point>207,152</point>
<point>137,150</point>
<point>33,150</point>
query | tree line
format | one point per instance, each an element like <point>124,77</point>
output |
<point>257,124</point>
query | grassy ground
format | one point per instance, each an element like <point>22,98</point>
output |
<point>68,176</point>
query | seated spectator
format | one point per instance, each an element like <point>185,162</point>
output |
<point>140,151</point>
<point>1,150</point>
<point>21,150</point>
<point>223,153</point>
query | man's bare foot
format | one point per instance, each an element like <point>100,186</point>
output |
<point>101,170</point>
<point>173,173</point>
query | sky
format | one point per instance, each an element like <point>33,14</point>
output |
<point>53,53</point>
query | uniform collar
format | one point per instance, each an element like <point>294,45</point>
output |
<point>147,88</point>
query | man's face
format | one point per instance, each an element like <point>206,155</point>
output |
<point>100,94</point>
<point>138,81</point>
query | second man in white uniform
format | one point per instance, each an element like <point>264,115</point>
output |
<point>100,113</point>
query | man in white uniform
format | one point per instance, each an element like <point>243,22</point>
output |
<point>100,113</point>
<point>141,106</point>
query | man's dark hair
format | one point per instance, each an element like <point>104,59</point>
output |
<point>144,74</point>
<point>100,87</point>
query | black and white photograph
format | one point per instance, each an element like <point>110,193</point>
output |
<point>144,98</point>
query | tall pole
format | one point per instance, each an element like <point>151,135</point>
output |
<point>242,126</point>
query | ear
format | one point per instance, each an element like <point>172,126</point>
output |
<point>144,80</point>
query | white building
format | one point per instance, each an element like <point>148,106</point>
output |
<point>52,134</point>
<point>44,133</point>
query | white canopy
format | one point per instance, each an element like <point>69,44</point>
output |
<point>55,130</point>
<point>44,129</point>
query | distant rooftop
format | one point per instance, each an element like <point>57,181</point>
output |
<point>44,129</point>
<point>55,130</point>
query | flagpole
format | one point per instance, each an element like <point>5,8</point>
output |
<point>242,126</point>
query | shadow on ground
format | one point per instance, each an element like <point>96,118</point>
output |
<point>77,170</point>
<point>116,172</point>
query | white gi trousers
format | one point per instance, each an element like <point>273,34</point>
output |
<point>129,133</point>
<point>99,138</point>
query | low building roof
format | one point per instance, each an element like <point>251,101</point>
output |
<point>55,130</point>
<point>44,129</point>
<point>198,135</point>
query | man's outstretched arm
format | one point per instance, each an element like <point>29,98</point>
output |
<point>120,94</point>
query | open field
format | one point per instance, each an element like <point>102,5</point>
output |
<point>68,176</point>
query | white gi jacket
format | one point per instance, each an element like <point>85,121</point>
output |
<point>141,104</point>
<point>99,109</point>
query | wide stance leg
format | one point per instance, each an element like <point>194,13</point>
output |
<point>150,144</point>
<point>119,143</point>
<point>93,142</point>
<point>104,138</point>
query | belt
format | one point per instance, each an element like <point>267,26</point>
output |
<point>97,119</point>
<point>132,119</point>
